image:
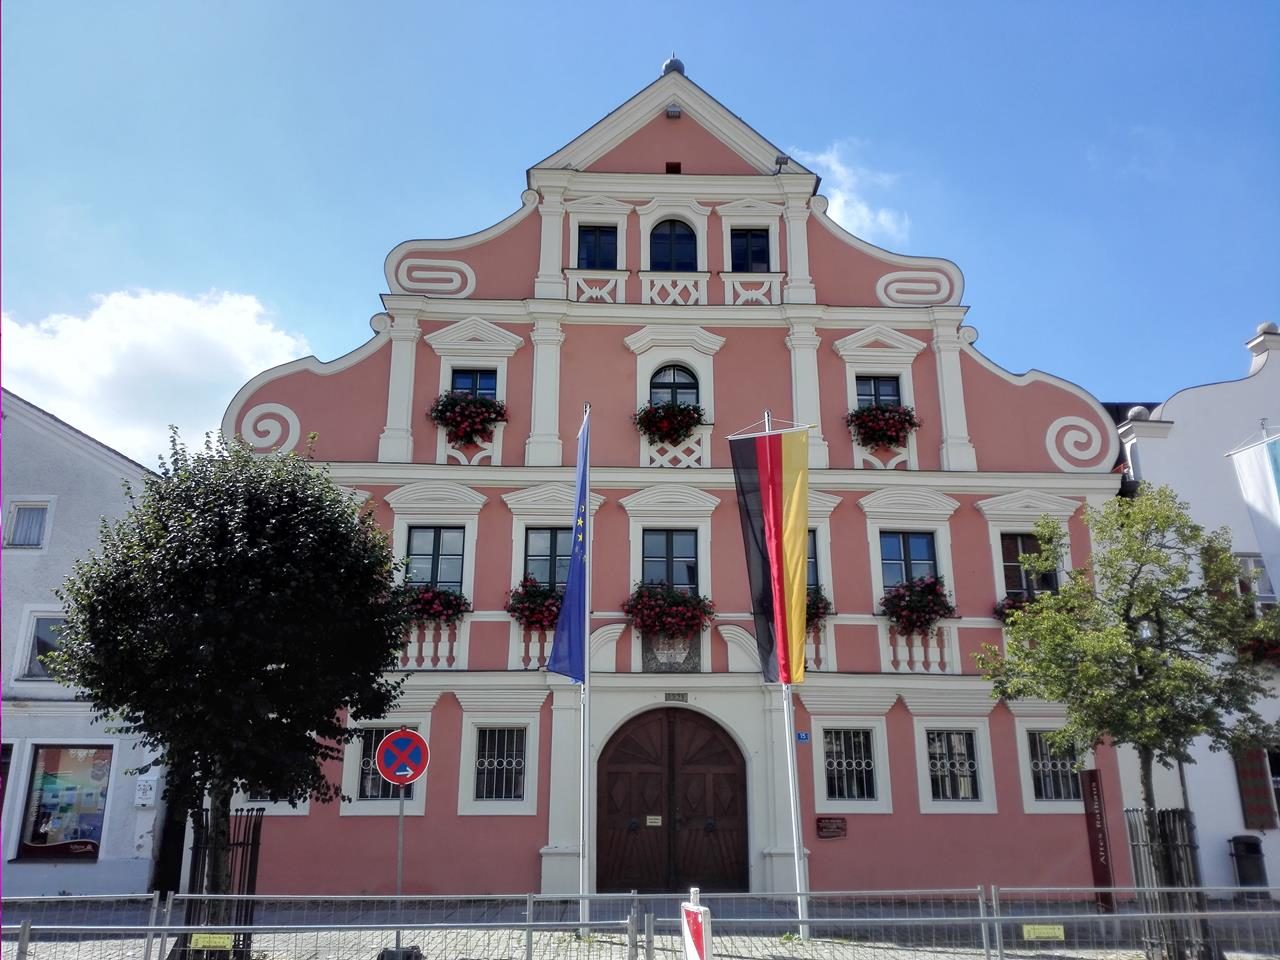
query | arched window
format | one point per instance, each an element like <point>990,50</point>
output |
<point>673,246</point>
<point>672,384</point>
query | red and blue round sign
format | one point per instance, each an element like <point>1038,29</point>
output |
<point>402,757</point>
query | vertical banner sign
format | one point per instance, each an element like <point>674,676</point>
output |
<point>1258,471</point>
<point>569,644</point>
<point>1095,813</point>
<point>695,931</point>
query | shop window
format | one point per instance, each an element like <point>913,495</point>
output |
<point>66,803</point>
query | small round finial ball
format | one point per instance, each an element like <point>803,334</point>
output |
<point>1268,327</point>
<point>1138,413</point>
<point>673,65</point>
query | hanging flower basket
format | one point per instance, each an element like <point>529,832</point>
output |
<point>436,606</point>
<point>1010,604</point>
<point>1262,650</point>
<point>534,605</point>
<point>669,423</point>
<point>468,420</point>
<point>881,425</point>
<point>660,610</point>
<point>816,609</point>
<point>914,606</point>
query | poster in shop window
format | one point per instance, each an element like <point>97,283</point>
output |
<point>66,803</point>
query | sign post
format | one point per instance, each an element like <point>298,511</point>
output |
<point>401,758</point>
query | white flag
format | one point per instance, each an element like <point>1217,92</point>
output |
<point>1258,470</point>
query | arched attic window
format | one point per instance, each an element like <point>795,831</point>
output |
<point>673,247</point>
<point>673,384</point>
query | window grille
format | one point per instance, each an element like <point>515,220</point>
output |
<point>435,557</point>
<point>953,765</point>
<point>850,764</point>
<point>500,763</point>
<point>1053,775</point>
<point>372,785</point>
<point>26,526</point>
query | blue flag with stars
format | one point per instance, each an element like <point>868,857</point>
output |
<point>569,648</point>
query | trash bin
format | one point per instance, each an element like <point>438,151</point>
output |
<point>1246,854</point>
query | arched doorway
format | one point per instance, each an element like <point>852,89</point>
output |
<point>671,811</point>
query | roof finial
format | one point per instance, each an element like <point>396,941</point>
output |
<point>673,65</point>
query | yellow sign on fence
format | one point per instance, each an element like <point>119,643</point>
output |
<point>211,941</point>
<point>1043,931</point>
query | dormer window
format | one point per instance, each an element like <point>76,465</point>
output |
<point>597,248</point>
<point>749,250</point>
<point>673,247</point>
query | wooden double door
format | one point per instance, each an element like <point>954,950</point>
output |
<point>672,806</point>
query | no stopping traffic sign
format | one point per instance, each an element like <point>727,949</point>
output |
<point>402,757</point>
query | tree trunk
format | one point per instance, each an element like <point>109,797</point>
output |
<point>218,857</point>
<point>1159,858</point>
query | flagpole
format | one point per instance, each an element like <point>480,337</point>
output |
<point>793,791</point>
<point>584,812</point>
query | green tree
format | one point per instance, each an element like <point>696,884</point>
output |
<point>1142,647</point>
<point>230,619</point>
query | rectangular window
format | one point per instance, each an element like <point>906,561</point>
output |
<point>65,804</point>
<point>906,556</point>
<point>811,562</point>
<point>849,763</point>
<point>26,525</point>
<point>44,640</point>
<point>749,250</point>
<point>953,765</point>
<point>372,785</point>
<point>475,383</point>
<point>1263,589</point>
<point>1053,775</point>
<point>546,554</point>
<point>500,763</point>
<point>671,556</point>
<point>597,248</point>
<point>435,557</point>
<point>1017,581</point>
<point>879,391</point>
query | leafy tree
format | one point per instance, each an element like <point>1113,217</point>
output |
<point>230,619</point>
<point>1142,648</point>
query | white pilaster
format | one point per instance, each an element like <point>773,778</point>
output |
<point>803,342</point>
<point>550,283</point>
<point>799,285</point>
<point>957,452</point>
<point>560,855</point>
<point>395,445</point>
<point>543,448</point>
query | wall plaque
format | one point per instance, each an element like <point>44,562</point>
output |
<point>830,828</point>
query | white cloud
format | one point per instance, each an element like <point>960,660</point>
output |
<point>141,360</point>
<point>848,187</point>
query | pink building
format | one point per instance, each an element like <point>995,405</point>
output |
<point>671,251</point>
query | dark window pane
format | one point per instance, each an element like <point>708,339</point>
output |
<point>539,543</point>
<point>849,764</point>
<point>684,543</point>
<point>921,547</point>
<point>655,543</point>
<point>564,540</point>
<point>891,546</point>
<point>540,570</point>
<point>686,250</point>
<point>893,572</point>
<point>422,540</point>
<point>372,785</point>
<point>562,571</point>
<point>655,571</point>
<point>44,641</point>
<point>451,540</point>
<point>673,383</point>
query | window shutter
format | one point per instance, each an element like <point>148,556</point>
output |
<point>1256,796</point>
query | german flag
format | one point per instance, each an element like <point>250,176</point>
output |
<point>771,471</point>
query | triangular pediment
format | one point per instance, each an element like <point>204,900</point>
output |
<point>877,337</point>
<point>598,204</point>
<point>641,126</point>
<point>474,337</point>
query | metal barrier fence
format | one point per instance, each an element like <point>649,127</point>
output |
<point>978,923</point>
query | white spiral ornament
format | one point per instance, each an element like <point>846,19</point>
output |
<point>1071,441</point>
<point>913,288</point>
<point>265,424</point>
<point>435,278</point>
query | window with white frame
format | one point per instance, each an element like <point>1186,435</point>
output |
<point>673,247</point>
<point>546,554</point>
<point>500,763</point>
<point>435,557</point>
<point>671,556</point>
<point>597,247</point>
<point>909,534</point>
<point>1256,581</point>
<point>26,525</point>
<point>907,555</point>
<point>851,765</point>
<point>372,784</point>
<point>66,803</point>
<point>498,759</point>
<point>673,384</point>
<point>44,640</point>
<point>1049,778</point>
<point>953,765</point>
<point>1018,581</point>
<point>474,383</point>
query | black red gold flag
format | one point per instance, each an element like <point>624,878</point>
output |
<point>771,472</point>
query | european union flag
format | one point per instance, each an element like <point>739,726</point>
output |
<point>569,648</point>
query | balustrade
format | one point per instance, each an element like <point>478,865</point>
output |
<point>674,289</point>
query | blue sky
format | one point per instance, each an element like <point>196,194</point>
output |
<point>180,175</point>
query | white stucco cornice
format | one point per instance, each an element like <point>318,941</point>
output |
<point>948,697</point>
<point>440,497</point>
<point>1026,506</point>
<point>652,101</point>
<point>892,345</point>
<point>663,501</point>
<point>1145,430</point>
<point>476,337</point>
<point>552,500</point>
<point>901,503</point>
<point>500,699</point>
<point>1036,709</point>
<point>821,504</point>
<point>646,338</point>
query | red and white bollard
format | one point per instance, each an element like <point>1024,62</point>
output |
<point>695,928</point>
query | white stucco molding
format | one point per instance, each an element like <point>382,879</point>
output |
<point>928,281</point>
<point>1026,507</point>
<point>406,272</point>
<point>905,503</point>
<point>598,211</point>
<point>744,655</point>
<point>842,699</point>
<point>692,347</point>
<point>502,699</point>
<point>604,647</point>
<point>670,502</point>
<point>1037,709</point>
<point>960,697</point>
<point>544,505</point>
<point>441,497</point>
<point>748,212</point>
<point>474,337</point>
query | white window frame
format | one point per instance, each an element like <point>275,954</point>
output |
<point>598,212</point>
<point>1023,726</point>
<point>986,802</point>
<point>1017,513</point>
<point>468,344</point>
<point>11,505</point>
<point>30,613</point>
<point>883,803</point>
<point>914,511</point>
<point>894,357</point>
<point>1253,563</point>
<point>438,503</point>
<point>468,805</point>
<point>750,215</point>
<point>688,211</point>
<point>414,806</point>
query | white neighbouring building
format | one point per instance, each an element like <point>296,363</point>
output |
<point>75,819</point>
<point>1184,443</point>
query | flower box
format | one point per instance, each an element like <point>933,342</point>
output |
<point>816,609</point>
<point>914,606</point>
<point>534,605</point>
<point>1010,604</point>
<point>436,606</point>
<point>468,420</point>
<point>660,610</point>
<point>882,425</point>
<point>670,423</point>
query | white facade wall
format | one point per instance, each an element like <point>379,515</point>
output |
<point>46,460</point>
<point>1184,445</point>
